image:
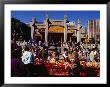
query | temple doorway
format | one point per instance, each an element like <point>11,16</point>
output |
<point>55,38</point>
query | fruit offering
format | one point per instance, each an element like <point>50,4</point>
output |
<point>52,61</point>
<point>82,63</point>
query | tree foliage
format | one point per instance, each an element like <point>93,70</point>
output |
<point>19,30</point>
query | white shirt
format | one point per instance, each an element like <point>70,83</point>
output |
<point>95,52</point>
<point>39,42</point>
<point>64,55</point>
<point>27,57</point>
<point>92,56</point>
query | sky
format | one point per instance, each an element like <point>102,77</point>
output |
<point>26,16</point>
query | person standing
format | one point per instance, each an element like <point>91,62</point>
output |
<point>65,54</point>
<point>92,55</point>
<point>17,66</point>
<point>44,53</point>
<point>28,60</point>
<point>40,43</point>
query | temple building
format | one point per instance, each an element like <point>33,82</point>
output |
<point>56,30</point>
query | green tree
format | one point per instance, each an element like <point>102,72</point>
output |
<point>19,29</point>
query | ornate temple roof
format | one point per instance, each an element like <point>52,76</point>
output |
<point>58,29</point>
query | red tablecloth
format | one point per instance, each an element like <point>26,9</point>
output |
<point>57,70</point>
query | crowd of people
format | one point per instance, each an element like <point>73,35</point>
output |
<point>24,57</point>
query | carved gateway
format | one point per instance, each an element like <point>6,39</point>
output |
<point>55,26</point>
